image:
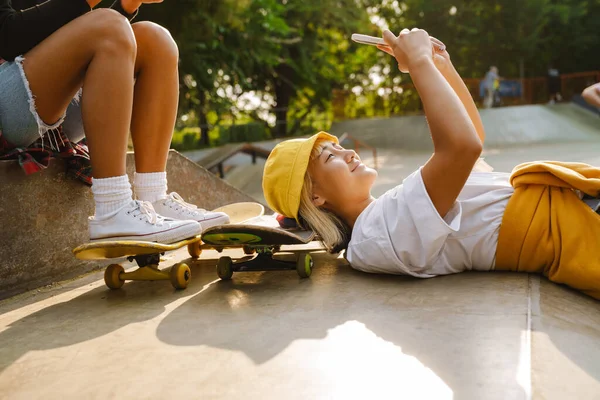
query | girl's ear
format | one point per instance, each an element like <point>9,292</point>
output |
<point>317,200</point>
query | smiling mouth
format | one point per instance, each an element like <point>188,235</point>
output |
<point>357,165</point>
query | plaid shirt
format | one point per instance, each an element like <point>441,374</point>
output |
<point>37,156</point>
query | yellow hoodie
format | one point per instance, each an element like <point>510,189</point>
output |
<point>546,228</point>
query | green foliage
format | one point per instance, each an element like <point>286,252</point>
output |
<point>292,57</point>
<point>188,138</point>
<point>251,132</point>
<point>480,33</point>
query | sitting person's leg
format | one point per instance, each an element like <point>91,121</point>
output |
<point>73,123</point>
<point>156,95</point>
<point>98,51</point>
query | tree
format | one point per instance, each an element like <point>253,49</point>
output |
<point>224,46</point>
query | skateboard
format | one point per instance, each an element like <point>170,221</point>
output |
<point>260,238</point>
<point>146,255</point>
<point>238,213</point>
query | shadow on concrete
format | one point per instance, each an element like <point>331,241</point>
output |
<point>89,315</point>
<point>466,328</point>
<point>461,338</point>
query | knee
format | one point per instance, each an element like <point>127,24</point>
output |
<point>113,32</point>
<point>155,41</point>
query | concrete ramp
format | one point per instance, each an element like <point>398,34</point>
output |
<point>44,216</point>
<point>507,126</point>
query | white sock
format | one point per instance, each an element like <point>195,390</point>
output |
<point>150,186</point>
<point>111,194</point>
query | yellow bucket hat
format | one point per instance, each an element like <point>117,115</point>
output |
<point>284,172</point>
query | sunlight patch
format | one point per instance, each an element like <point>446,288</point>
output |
<point>359,364</point>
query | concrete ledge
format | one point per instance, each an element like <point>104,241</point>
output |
<point>44,216</point>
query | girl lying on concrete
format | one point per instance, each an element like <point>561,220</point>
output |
<point>130,79</point>
<point>444,218</point>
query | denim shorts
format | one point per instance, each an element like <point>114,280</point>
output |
<point>19,121</point>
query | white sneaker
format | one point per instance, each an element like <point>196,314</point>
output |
<point>174,207</point>
<point>139,221</point>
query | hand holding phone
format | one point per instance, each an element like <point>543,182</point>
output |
<point>375,41</point>
<point>366,39</point>
<point>441,58</point>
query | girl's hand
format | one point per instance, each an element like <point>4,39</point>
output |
<point>131,5</point>
<point>592,95</point>
<point>410,48</point>
<point>439,53</point>
<point>441,58</point>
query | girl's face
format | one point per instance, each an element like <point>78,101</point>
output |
<point>339,178</point>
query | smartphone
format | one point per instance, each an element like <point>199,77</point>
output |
<point>366,39</point>
<point>374,41</point>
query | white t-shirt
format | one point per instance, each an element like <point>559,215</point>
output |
<point>402,233</point>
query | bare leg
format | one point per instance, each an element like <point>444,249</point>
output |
<point>96,51</point>
<point>155,97</point>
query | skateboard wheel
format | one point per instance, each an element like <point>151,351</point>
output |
<point>180,275</point>
<point>224,269</point>
<point>304,265</point>
<point>248,250</point>
<point>112,276</point>
<point>194,249</point>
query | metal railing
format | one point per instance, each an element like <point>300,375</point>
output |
<point>358,144</point>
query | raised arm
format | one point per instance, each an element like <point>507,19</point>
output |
<point>591,94</point>
<point>444,64</point>
<point>456,143</point>
<point>441,59</point>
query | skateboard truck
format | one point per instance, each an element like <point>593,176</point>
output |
<point>264,261</point>
<point>264,237</point>
<point>145,260</point>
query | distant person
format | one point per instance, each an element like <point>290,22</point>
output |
<point>554,85</point>
<point>592,94</point>
<point>497,99</point>
<point>488,86</point>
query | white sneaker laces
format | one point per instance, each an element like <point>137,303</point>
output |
<point>181,204</point>
<point>145,209</point>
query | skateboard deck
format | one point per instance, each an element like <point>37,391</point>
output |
<point>126,248</point>
<point>261,235</point>
<point>262,230</point>
<point>147,256</point>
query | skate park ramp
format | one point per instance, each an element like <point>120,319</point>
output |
<point>506,126</point>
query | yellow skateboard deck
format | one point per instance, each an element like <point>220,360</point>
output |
<point>126,248</point>
<point>146,254</point>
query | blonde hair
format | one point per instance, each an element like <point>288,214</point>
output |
<point>334,233</point>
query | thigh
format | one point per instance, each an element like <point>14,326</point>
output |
<point>56,67</point>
